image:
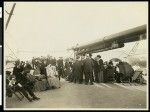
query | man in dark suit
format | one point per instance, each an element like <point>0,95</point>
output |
<point>53,61</point>
<point>33,63</point>
<point>77,70</point>
<point>81,80</point>
<point>93,66</point>
<point>88,69</point>
<point>22,79</point>
<point>60,67</point>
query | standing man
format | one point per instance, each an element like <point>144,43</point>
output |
<point>88,69</point>
<point>33,63</point>
<point>60,67</point>
<point>77,70</point>
<point>93,66</point>
<point>82,74</point>
<point>96,69</point>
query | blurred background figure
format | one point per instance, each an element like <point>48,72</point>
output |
<point>88,69</point>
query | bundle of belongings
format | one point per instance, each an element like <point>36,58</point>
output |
<point>129,74</point>
<point>41,82</point>
<point>139,76</point>
<point>125,71</point>
<point>45,81</point>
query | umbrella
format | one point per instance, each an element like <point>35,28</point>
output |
<point>116,60</point>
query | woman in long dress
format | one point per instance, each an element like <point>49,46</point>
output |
<point>52,79</point>
<point>110,72</point>
<point>101,69</point>
<point>67,68</point>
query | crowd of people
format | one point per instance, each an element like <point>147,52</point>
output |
<point>40,73</point>
<point>84,69</point>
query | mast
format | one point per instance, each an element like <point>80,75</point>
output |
<point>10,14</point>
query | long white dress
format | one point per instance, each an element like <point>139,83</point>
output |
<point>52,79</point>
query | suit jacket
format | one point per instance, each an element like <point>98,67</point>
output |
<point>88,65</point>
<point>60,63</point>
<point>77,68</point>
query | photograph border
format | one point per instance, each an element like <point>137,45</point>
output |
<point>39,109</point>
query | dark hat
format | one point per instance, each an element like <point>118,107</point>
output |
<point>17,62</point>
<point>83,54</point>
<point>99,56</point>
<point>8,72</point>
<point>110,62</point>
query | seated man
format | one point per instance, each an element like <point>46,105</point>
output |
<point>12,87</point>
<point>8,78</point>
<point>23,83</point>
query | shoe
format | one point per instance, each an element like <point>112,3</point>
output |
<point>30,100</point>
<point>36,98</point>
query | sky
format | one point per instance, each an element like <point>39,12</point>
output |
<point>41,28</point>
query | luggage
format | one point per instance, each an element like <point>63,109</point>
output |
<point>40,85</point>
<point>129,71</point>
<point>126,70</point>
<point>136,75</point>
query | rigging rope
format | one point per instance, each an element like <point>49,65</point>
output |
<point>11,50</point>
<point>131,52</point>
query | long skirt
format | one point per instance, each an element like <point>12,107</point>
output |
<point>100,77</point>
<point>54,82</point>
<point>67,72</point>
